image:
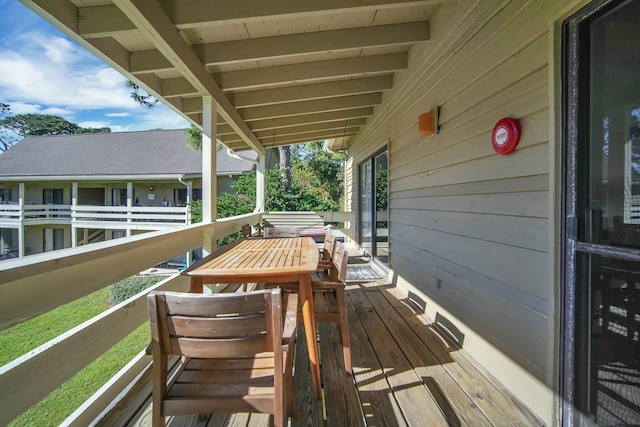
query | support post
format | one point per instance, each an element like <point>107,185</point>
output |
<point>209,181</point>
<point>129,205</point>
<point>21,222</point>
<point>74,205</point>
<point>260,184</point>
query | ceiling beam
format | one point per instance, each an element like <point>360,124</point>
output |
<point>306,43</point>
<point>308,71</point>
<point>98,21</point>
<point>304,107</point>
<point>327,127</point>
<point>149,17</point>
<point>314,127</point>
<point>102,21</point>
<point>296,139</point>
<point>311,118</point>
<point>148,61</point>
<point>192,13</point>
<point>311,91</point>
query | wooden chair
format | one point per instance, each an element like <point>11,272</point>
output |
<point>329,299</point>
<point>236,353</point>
<point>281,232</point>
<point>326,255</point>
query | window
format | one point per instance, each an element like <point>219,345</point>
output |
<point>52,196</point>
<point>5,195</point>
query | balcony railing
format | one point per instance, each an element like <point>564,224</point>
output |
<point>111,217</point>
<point>40,283</point>
<point>129,217</point>
<point>13,215</point>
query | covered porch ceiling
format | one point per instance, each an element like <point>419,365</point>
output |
<point>282,72</point>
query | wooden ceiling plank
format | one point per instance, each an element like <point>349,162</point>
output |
<point>337,68</point>
<point>311,118</point>
<point>148,61</point>
<point>62,14</point>
<point>178,87</point>
<point>296,139</point>
<point>151,19</point>
<point>305,107</point>
<point>311,91</point>
<point>114,50</point>
<point>102,21</point>
<point>194,13</point>
<point>305,43</point>
<point>314,127</point>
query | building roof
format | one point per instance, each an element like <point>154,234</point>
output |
<point>156,152</point>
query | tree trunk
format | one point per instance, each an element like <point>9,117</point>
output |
<point>285,167</point>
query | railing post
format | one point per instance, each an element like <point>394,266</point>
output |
<point>74,211</point>
<point>129,205</point>
<point>21,220</point>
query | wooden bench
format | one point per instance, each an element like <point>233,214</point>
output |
<point>308,223</point>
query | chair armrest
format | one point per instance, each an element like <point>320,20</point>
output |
<point>290,319</point>
<point>324,264</point>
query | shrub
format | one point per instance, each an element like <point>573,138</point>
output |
<point>130,286</point>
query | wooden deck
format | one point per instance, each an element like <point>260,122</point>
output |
<point>406,373</point>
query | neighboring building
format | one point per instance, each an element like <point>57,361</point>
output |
<point>69,190</point>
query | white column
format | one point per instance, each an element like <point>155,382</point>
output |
<point>74,204</point>
<point>21,224</point>
<point>209,183</point>
<point>129,205</point>
<point>260,184</point>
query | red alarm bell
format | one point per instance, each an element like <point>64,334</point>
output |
<point>505,136</point>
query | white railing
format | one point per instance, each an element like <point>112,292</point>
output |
<point>107,217</point>
<point>34,214</point>
<point>39,283</point>
<point>129,217</point>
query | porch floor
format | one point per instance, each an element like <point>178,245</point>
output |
<point>407,372</point>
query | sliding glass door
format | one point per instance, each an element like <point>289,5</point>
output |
<point>373,214</point>
<point>602,210</point>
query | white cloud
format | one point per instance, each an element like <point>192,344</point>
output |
<point>93,124</point>
<point>46,73</point>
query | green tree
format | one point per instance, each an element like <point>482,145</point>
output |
<point>194,137</point>
<point>140,96</point>
<point>14,128</point>
<point>324,170</point>
<point>6,140</point>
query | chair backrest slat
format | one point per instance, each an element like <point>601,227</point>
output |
<point>183,304</point>
<point>339,263</point>
<point>218,348</point>
<point>218,325</point>
<point>328,247</point>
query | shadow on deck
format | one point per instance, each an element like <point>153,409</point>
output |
<point>407,372</point>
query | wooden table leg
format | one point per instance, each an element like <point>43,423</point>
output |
<point>195,286</point>
<point>306,295</point>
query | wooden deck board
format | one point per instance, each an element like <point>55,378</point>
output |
<point>341,396</point>
<point>499,407</point>
<point>406,373</point>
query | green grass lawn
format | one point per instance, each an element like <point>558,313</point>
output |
<point>59,404</point>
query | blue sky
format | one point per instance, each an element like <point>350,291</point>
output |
<point>43,71</point>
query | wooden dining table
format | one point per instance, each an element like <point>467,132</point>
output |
<point>266,260</point>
